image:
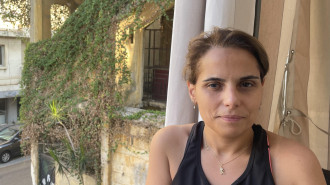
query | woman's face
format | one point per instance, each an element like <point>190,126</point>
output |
<point>228,90</point>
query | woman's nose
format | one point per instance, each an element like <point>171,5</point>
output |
<point>231,97</point>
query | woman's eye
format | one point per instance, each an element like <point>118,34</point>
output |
<point>214,85</point>
<point>247,84</point>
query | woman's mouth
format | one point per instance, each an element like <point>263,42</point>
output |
<point>231,118</point>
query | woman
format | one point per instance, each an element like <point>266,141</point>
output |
<point>225,73</point>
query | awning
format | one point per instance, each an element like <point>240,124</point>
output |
<point>9,94</point>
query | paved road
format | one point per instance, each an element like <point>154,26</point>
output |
<point>16,172</point>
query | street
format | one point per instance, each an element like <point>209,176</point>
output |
<point>16,172</point>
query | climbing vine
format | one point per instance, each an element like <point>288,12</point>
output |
<point>73,83</point>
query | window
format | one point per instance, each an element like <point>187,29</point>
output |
<point>18,100</point>
<point>2,55</point>
<point>157,47</point>
<point>2,111</point>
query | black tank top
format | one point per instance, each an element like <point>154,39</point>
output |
<point>257,172</point>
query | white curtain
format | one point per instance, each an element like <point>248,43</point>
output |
<point>188,22</point>
<point>319,79</point>
<point>305,29</point>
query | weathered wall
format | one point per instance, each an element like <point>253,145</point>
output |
<point>135,64</point>
<point>70,180</point>
<point>135,52</point>
<point>129,153</point>
<point>10,71</point>
<point>13,42</point>
<point>130,159</point>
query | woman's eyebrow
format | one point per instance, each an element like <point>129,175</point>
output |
<point>250,77</point>
<point>214,79</point>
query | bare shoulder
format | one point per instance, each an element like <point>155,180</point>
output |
<point>174,130</point>
<point>166,152</point>
<point>174,134</point>
<point>172,141</point>
<point>293,163</point>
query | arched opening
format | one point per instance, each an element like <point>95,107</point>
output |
<point>157,47</point>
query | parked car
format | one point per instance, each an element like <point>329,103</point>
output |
<point>10,137</point>
<point>3,125</point>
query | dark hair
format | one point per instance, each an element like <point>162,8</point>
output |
<point>226,38</point>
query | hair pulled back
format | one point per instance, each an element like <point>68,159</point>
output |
<point>226,38</point>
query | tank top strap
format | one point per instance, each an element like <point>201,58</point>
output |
<point>195,137</point>
<point>258,170</point>
<point>190,170</point>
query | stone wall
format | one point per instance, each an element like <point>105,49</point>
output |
<point>131,150</point>
<point>128,153</point>
<point>61,179</point>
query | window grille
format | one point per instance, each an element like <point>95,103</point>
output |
<point>157,47</point>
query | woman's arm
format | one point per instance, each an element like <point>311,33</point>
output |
<point>308,169</point>
<point>294,164</point>
<point>159,169</point>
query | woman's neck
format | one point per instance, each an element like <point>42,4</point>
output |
<point>227,146</point>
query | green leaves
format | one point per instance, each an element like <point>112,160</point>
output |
<point>74,82</point>
<point>56,111</point>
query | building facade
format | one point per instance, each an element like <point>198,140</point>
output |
<point>12,44</point>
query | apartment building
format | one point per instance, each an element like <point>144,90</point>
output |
<point>12,46</point>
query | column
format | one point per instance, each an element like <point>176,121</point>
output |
<point>40,27</point>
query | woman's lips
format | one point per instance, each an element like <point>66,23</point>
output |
<point>231,118</point>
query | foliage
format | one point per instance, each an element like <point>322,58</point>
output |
<point>58,14</point>
<point>151,115</point>
<point>18,13</point>
<point>73,83</point>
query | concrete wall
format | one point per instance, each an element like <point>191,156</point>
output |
<point>70,180</point>
<point>14,42</point>
<point>131,157</point>
<point>10,72</point>
<point>135,64</point>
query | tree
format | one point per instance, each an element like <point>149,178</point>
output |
<point>17,12</point>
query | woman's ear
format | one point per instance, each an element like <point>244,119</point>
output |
<point>192,91</point>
